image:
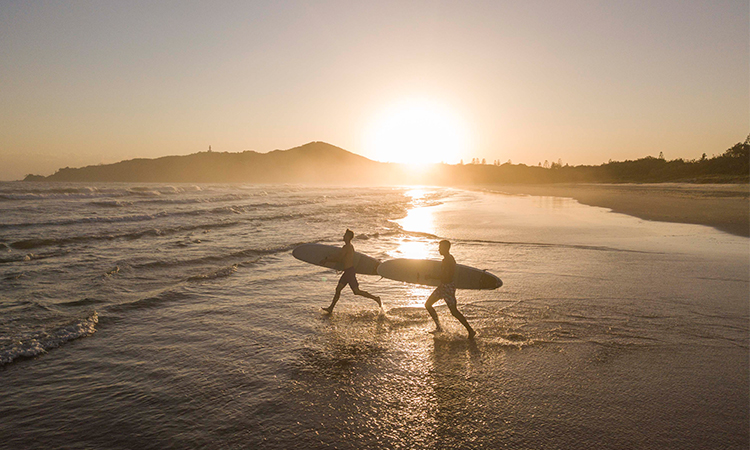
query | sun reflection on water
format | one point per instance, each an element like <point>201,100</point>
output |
<point>416,193</point>
<point>412,248</point>
<point>419,219</point>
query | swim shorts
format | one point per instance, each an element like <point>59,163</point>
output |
<point>349,277</point>
<point>447,292</point>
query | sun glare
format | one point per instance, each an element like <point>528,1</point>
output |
<point>417,132</point>
<point>421,220</point>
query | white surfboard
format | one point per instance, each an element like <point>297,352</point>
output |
<point>314,253</point>
<point>427,272</point>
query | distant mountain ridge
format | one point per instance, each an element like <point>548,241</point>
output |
<point>310,163</point>
<point>322,163</point>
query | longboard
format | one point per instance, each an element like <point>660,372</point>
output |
<point>427,272</point>
<point>314,253</point>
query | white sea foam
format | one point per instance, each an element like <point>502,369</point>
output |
<point>37,343</point>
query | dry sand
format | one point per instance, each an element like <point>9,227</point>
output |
<point>723,206</point>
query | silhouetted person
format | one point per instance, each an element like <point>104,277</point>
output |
<point>346,256</point>
<point>447,290</point>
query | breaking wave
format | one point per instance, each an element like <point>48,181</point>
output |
<point>40,342</point>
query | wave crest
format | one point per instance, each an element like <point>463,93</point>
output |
<point>43,341</point>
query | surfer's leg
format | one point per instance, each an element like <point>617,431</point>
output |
<point>449,294</point>
<point>428,306</point>
<point>340,287</point>
<point>354,284</point>
<point>457,314</point>
<point>362,293</point>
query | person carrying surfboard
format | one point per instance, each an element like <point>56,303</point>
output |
<point>447,290</point>
<point>346,256</point>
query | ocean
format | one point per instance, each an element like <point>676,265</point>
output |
<point>158,316</point>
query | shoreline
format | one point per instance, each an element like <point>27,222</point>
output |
<point>725,207</point>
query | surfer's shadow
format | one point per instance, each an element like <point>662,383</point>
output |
<point>447,345</point>
<point>341,346</point>
<point>456,365</point>
<point>335,356</point>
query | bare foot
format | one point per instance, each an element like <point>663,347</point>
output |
<point>377,299</point>
<point>436,330</point>
<point>329,310</point>
<point>472,333</point>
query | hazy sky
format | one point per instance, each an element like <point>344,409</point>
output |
<point>583,81</point>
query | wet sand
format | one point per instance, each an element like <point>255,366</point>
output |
<point>725,207</point>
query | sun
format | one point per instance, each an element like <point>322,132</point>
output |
<point>416,132</point>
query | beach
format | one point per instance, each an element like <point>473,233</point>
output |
<point>725,207</point>
<point>140,315</point>
<point>503,225</point>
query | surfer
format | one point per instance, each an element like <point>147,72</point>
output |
<point>346,256</point>
<point>447,290</point>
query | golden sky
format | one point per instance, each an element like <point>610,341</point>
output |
<point>583,81</point>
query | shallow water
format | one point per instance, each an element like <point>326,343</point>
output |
<point>159,316</point>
